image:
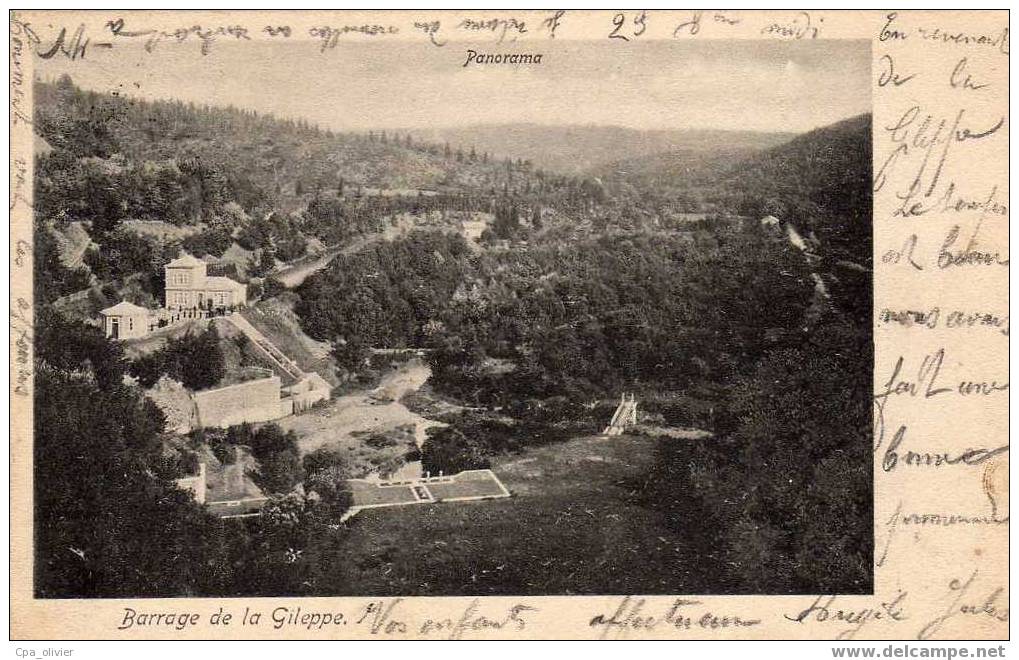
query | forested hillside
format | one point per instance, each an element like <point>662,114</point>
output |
<point>818,180</point>
<point>254,159</point>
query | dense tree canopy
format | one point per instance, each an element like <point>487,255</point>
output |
<point>582,317</point>
<point>108,520</point>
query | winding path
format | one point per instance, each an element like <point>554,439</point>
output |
<point>293,275</point>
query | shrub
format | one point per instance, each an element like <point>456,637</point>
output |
<point>380,441</point>
<point>279,471</point>
<point>326,474</point>
<point>148,368</point>
<point>270,439</point>
<point>323,459</point>
<point>449,451</point>
<point>214,241</point>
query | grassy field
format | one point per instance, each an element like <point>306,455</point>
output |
<point>577,523</point>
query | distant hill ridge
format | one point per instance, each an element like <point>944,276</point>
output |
<point>821,179</point>
<point>824,171</point>
<point>576,149</point>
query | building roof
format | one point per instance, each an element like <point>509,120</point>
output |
<point>124,308</point>
<point>185,260</point>
<point>221,284</point>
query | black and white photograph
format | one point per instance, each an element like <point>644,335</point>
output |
<point>444,318</point>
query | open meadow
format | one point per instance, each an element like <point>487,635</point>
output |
<point>578,522</point>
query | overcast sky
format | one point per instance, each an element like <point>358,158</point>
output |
<point>765,85</point>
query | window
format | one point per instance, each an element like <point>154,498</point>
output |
<point>130,323</point>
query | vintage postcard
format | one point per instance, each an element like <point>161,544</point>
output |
<point>547,324</point>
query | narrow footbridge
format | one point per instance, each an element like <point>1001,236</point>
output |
<point>625,415</point>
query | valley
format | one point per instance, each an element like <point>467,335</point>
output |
<point>468,299</point>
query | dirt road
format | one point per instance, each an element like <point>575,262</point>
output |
<point>346,421</point>
<point>294,274</point>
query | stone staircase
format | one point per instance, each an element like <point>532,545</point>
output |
<point>275,355</point>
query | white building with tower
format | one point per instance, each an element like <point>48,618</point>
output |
<point>188,286</point>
